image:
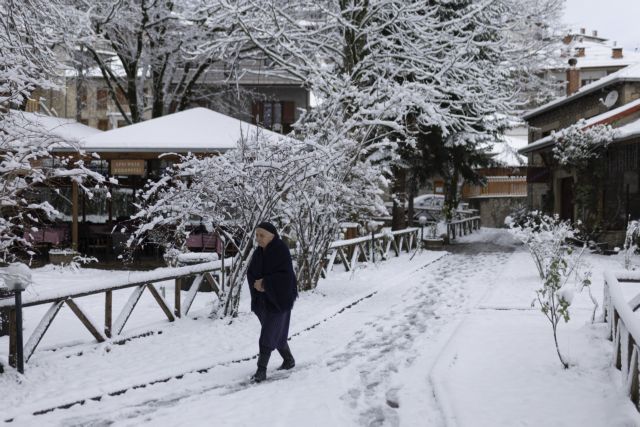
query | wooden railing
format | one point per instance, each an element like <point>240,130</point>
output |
<point>209,271</point>
<point>497,186</point>
<point>463,226</point>
<point>624,329</point>
<point>365,249</point>
<point>349,252</point>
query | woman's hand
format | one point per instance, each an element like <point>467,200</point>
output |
<point>258,285</point>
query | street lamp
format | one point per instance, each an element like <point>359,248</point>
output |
<point>373,227</point>
<point>422,220</point>
<point>17,277</point>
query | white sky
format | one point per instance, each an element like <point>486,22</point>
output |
<point>614,19</point>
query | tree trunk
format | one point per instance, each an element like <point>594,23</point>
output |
<point>399,217</point>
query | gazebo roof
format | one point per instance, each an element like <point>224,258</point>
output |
<point>64,129</point>
<point>198,130</point>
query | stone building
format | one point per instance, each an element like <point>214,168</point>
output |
<point>505,190</point>
<point>613,100</point>
<point>273,102</point>
<point>595,57</point>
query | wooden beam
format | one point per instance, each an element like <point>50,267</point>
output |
<point>13,343</point>
<point>85,320</point>
<point>108,312</point>
<point>127,310</point>
<point>213,283</point>
<point>176,306</point>
<point>161,302</point>
<point>41,329</point>
<point>191,295</point>
<point>74,215</point>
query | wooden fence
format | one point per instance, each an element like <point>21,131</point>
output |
<point>209,271</point>
<point>365,249</point>
<point>624,329</point>
<point>349,252</point>
<point>462,226</point>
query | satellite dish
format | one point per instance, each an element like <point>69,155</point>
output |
<point>611,98</point>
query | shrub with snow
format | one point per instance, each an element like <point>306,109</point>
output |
<point>559,265</point>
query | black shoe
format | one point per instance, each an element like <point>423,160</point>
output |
<point>259,376</point>
<point>288,362</point>
<point>263,361</point>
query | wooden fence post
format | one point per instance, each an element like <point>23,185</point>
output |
<point>13,333</point>
<point>108,312</point>
<point>176,307</point>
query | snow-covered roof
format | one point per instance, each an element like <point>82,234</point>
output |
<point>195,130</point>
<point>506,151</point>
<point>624,132</point>
<point>628,131</point>
<point>630,73</point>
<point>67,129</point>
<point>598,55</point>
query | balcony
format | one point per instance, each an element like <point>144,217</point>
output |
<point>497,186</point>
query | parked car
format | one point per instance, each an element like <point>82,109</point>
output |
<point>428,201</point>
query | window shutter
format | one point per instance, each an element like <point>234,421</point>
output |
<point>288,112</point>
<point>256,112</point>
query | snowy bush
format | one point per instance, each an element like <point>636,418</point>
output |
<point>577,144</point>
<point>631,242</point>
<point>579,149</point>
<point>314,209</point>
<point>231,194</point>
<point>28,30</point>
<point>559,265</point>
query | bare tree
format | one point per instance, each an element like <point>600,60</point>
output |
<point>150,54</point>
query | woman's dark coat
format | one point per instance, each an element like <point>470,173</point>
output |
<point>273,306</point>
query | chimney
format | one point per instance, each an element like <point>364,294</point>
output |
<point>583,31</point>
<point>616,53</point>
<point>580,52</point>
<point>595,33</point>
<point>573,77</point>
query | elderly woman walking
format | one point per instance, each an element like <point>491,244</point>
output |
<point>273,287</point>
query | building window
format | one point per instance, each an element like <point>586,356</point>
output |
<point>102,96</point>
<point>274,115</point>
<point>99,166</point>
<point>103,124</point>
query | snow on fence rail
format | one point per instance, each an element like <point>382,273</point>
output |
<point>359,249</point>
<point>624,329</point>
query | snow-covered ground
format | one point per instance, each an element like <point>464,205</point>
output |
<point>439,339</point>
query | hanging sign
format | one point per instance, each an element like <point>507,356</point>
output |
<point>127,167</point>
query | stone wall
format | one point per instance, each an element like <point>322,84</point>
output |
<point>493,210</point>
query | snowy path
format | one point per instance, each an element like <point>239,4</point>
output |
<point>366,365</point>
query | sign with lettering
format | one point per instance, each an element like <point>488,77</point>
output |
<point>127,167</point>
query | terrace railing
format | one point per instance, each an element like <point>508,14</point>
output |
<point>497,186</point>
<point>624,329</point>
